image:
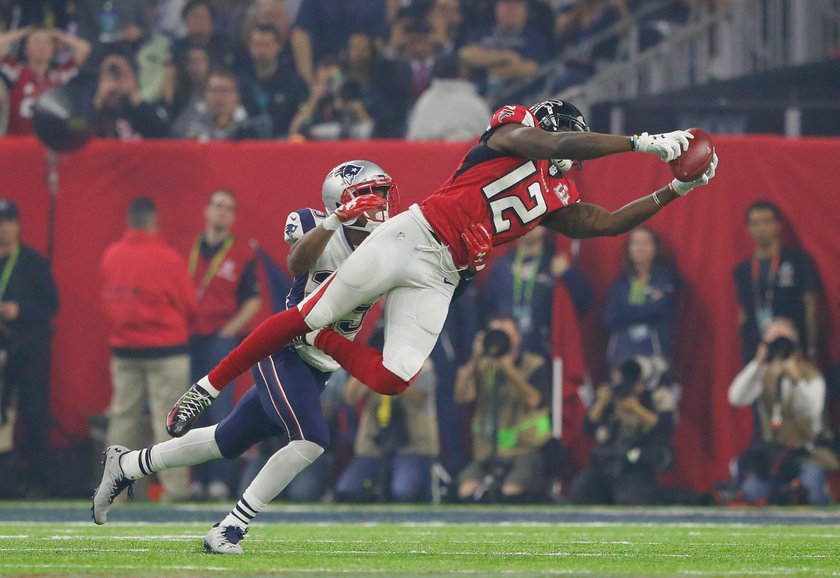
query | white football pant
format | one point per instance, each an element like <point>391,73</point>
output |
<point>401,257</point>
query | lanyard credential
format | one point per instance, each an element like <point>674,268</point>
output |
<point>523,289</point>
<point>763,301</point>
<point>7,270</point>
<point>214,264</point>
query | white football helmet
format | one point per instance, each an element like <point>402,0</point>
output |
<point>354,178</point>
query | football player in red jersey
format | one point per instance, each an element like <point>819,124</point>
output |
<point>508,183</point>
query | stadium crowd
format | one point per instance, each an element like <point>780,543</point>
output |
<point>302,69</point>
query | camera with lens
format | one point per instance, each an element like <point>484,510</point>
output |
<point>496,343</point>
<point>780,348</point>
<point>630,372</point>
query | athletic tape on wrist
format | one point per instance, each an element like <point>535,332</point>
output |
<point>331,223</point>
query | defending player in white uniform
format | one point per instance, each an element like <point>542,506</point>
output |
<point>285,397</point>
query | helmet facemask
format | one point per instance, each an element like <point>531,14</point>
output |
<point>368,187</point>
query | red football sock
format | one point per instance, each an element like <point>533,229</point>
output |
<point>363,363</point>
<point>268,338</point>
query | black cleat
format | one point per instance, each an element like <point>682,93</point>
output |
<point>187,410</point>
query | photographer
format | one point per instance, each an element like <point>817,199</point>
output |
<point>632,426</point>
<point>335,109</point>
<point>789,463</point>
<point>119,111</point>
<point>511,423</point>
<point>397,441</point>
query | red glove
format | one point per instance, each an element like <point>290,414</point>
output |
<point>479,244</point>
<point>358,205</point>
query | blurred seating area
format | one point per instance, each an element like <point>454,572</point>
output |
<point>326,70</point>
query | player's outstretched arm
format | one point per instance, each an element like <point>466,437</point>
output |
<point>582,220</point>
<point>535,143</point>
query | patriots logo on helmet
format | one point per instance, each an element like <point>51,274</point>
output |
<point>347,173</point>
<point>290,229</point>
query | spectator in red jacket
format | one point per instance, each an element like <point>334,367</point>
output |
<point>149,300</point>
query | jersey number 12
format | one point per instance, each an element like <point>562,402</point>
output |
<point>513,202</point>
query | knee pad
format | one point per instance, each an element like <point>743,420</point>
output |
<point>405,363</point>
<point>310,451</point>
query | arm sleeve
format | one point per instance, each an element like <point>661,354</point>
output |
<point>746,387</point>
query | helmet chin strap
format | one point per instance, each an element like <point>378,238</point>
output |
<point>368,227</point>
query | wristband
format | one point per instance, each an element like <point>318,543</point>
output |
<point>331,223</point>
<point>656,199</point>
<point>634,143</point>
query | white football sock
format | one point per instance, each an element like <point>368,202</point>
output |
<point>279,470</point>
<point>195,447</point>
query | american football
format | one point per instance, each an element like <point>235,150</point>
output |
<point>693,163</point>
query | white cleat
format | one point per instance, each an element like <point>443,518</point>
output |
<point>112,484</point>
<point>225,539</point>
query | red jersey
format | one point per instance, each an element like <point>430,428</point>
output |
<point>509,195</point>
<point>26,87</point>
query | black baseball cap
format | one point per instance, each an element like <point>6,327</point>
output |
<point>9,210</point>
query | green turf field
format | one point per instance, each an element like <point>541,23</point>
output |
<point>457,548</point>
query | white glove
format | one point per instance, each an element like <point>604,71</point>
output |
<point>667,146</point>
<point>682,187</point>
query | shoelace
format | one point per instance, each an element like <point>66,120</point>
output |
<point>193,404</point>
